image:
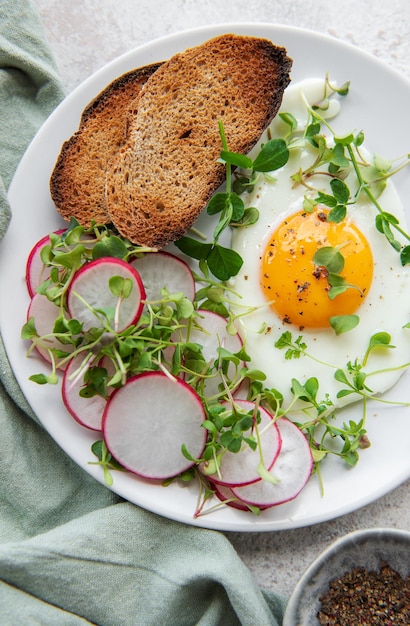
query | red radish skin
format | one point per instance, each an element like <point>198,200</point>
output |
<point>162,269</point>
<point>227,497</point>
<point>36,272</point>
<point>86,411</point>
<point>45,314</point>
<point>241,468</point>
<point>146,422</point>
<point>91,283</point>
<point>293,468</point>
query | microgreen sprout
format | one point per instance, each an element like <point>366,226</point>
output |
<point>160,339</point>
<point>338,156</point>
<point>224,263</point>
<point>333,261</point>
<point>105,460</point>
<point>319,426</point>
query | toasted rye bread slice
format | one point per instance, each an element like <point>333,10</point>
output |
<point>77,183</point>
<point>167,171</point>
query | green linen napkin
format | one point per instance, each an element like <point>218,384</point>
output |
<point>71,552</point>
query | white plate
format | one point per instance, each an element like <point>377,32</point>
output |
<point>378,103</point>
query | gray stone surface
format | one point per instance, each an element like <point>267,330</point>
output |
<point>86,34</point>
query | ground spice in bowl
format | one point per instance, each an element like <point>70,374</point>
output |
<point>363,597</point>
<point>370,574</point>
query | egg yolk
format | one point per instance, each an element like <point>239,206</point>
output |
<point>296,287</point>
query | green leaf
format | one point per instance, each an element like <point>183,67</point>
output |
<point>331,258</point>
<point>193,248</point>
<point>217,203</point>
<point>250,216</point>
<point>111,246</point>
<point>298,390</point>
<point>338,285</point>
<point>340,190</point>
<point>309,204</point>
<point>185,308</point>
<point>405,256</point>
<point>237,207</point>
<point>326,199</point>
<point>378,340</point>
<point>294,349</point>
<point>45,254</point>
<point>290,120</point>
<point>74,326</point>
<point>388,218</point>
<point>312,130</point>
<point>337,214</point>
<point>344,392</point>
<point>187,454</point>
<point>119,286</point>
<point>215,307</point>
<point>351,458</point>
<point>274,154</point>
<point>236,159</point>
<point>383,221</point>
<point>312,387</point>
<point>97,448</point>
<point>341,377</point>
<point>274,398</point>
<point>344,141</point>
<point>318,455</point>
<point>235,445</point>
<point>40,379</point>
<point>254,374</point>
<point>210,426</point>
<point>43,379</point>
<point>224,262</point>
<point>343,323</point>
<point>29,331</point>
<point>224,354</point>
<point>246,423</point>
<point>72,259</point>
<point>359,139</point>
<point>115,379</point>
<point>343,90</point>
<point>338,158</point>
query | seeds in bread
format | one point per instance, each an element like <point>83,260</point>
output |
<point>164,175</point>
<point>77,183</point>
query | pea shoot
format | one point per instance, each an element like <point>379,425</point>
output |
<point>171,333</point>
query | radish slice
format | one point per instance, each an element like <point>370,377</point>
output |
<point>292,468</point>
<point>162,269</point>
<point>241,468</point>
<point>45,314</point>
<point>91,285</point>
<point>147,421</point>
<point>226,495</point>
<point>211,335</point>
<point>86,411</point>
<point>36,272</point>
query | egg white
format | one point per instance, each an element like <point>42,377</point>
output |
<point>386,307</point>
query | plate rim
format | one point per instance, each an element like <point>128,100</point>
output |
<point>207,32</point>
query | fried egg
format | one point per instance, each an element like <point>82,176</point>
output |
<point>280,288</point>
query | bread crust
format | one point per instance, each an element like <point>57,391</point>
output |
<point>166,172</point>
<point>77,183</point>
